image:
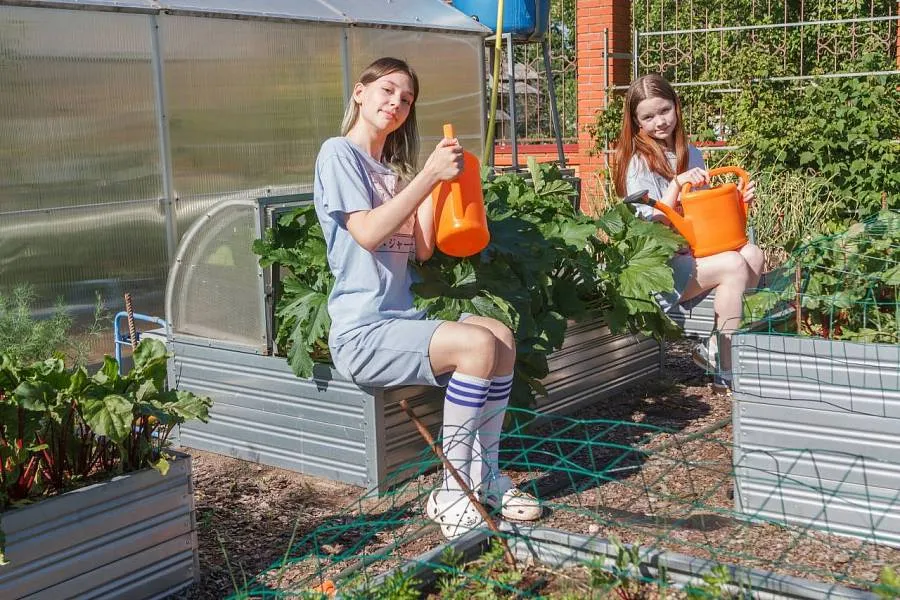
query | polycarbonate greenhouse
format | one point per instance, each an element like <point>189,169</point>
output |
<point>124,122</point>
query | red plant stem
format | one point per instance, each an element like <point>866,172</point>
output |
<point>29,475</point>
<point>3,466</point>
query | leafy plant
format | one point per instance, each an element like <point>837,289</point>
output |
<point>888,586</point>
<point>297,246</point>
<point>399,585</point>
<point>60,426</point>
<point>624,576</point>
<point>22,337</point>
<point>717,583</point>
<point>25,339</point>
<point>844,131</point>
<point>791,209</point>
<point>451,582</point>
<point>849,283</point>
<point>546,264</point>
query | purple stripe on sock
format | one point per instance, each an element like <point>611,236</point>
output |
<point>452,389</point>
<point>469,384</point>
<point>461,402</point>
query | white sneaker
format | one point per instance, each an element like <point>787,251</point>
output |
<point>456,517</point>
<point>704,357</point>
<point>722,383</point>
<point>514,504</point>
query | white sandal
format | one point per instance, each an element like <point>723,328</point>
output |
<point>514,504</point>
<point>456,517</point>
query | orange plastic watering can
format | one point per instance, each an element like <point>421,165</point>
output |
<point>460,222</point>
<point>715,219</point>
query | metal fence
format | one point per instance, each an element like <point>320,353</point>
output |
<point>532,93</point>
<point>699,47</point>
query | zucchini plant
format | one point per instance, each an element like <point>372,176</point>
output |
<point>545,264</point>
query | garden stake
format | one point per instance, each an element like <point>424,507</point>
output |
<point>426,435</point>
<point>130,313</point>
<point>799,316</point>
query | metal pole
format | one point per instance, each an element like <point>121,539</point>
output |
<point>605,67</point>
<point>773,25</point>
<point>511,74</point>
<point>489,159</point>
<point>554,113</point>
<point>165,147</point>
<point>635,57</point>
<point>345,64</point>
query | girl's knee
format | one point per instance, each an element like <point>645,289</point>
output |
<point>754,256</point>
<point>505,336</point>
<point>481,340</point>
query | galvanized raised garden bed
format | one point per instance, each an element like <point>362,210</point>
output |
<point>330,427</point>
<point>220,310</point>
<point>557,549</point>
<point>132,537</point>
<point>817,434</point>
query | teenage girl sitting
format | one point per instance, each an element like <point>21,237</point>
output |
<point>377,215</point>
<point>653,154</point>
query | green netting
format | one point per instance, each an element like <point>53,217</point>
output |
<point>845,285</point>
<point>648,489</point>
<point>797,491</point>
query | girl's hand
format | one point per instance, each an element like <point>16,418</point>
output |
<point>446,162</point>
<point>695,176</point>
<point>750,193</point>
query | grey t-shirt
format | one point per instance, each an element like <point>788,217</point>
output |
<point>640,177</point>
<point>369,286</point>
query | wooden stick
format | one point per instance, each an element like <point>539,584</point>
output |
<point>426,435</point>
<point>132,333</point>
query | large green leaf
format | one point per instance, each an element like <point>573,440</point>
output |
<point>190,407</point>
<point>110,416</point>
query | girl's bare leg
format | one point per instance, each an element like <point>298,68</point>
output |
<point>476,351</point>
<point>755,259</point>
<point>729,273</point>
<point>478,346</point>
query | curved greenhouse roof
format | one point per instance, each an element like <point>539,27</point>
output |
<point>403,14</point>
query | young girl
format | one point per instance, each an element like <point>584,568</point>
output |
<point>377,214</point>
<point>653,154</point>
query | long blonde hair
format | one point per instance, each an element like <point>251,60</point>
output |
<point>633,140</point>
<point>401,149</point>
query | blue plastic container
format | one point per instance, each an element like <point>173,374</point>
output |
<point>525,19</point>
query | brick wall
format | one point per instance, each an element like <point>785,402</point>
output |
<point>593,17</point>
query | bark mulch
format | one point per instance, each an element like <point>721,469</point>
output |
<point>674,493</point>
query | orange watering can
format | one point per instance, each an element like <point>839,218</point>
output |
<point>715,219</point>
<point>460,223</point>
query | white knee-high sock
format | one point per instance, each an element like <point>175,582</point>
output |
<point>486,463</point>
<point>464,401</point>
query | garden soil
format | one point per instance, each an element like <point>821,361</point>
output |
<point>247,513</point>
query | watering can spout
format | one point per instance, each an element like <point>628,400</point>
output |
<point>682,225</point>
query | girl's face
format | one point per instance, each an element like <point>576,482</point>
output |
<point>385,103</point>
<point>656,117</point>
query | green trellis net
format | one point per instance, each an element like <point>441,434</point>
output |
<point>635,488</point>
<point>846,286</point>
<point>627,502</point>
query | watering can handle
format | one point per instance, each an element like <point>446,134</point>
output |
<point>455,188</point>
<point>745,178</point>
<point>641,197</point>
<point>742,174</point>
